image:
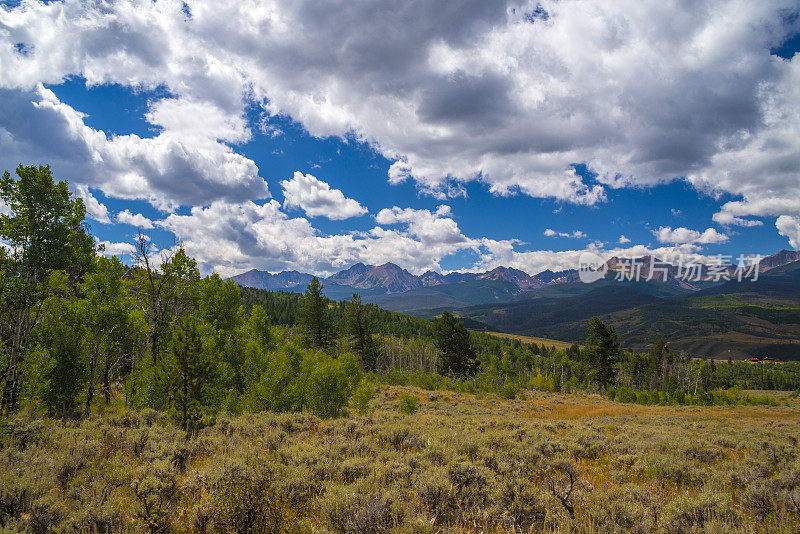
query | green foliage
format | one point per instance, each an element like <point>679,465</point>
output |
<point>36,371</point>
<point>62,334</point>
<point>602,351</point>
<point>64,380</point>
<point>329,386</point>
<point>408,404</point>
<point>716,397</point>
<point>296,378</point>
<point>362,396</point>
<point>281,306</point>
<point>509,391</point>
<point>455,346</point>
<point>187,375</point>
<point>220,303</point>
<point>359,332</point>
<point>314,317</point>
<point>44,231</point>
<point>44,228</point>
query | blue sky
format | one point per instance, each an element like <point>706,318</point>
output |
<point>481,142</point>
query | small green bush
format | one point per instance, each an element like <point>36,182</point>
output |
<point>363,394</point>
<point>408,404</point>
<point>509,391</point>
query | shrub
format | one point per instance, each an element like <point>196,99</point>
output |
<point>688,514</point>
<point>46,514</point>
<point>244,502</point>
<point>524,505</point>
<point>349,511</point>
<point>363,394</point>
<point>408,404</point>
<point>434,494</point>
<point>509,391</point>
<point>469,486</point>
<point>328,388</point>
<point>155,488</point>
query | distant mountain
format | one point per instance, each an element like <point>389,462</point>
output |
<point>265,280</point>
<point>395,288</point>
<point>508,274</point>
<point>733,319</point>
<point>549,277</point>
<point>388,276</point>
<point>650,268</point>
<point>779,259</point>
<point>430,278</point>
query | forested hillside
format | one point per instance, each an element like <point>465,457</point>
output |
<point>737,320</point>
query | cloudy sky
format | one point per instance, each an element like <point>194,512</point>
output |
<point>438,135</point>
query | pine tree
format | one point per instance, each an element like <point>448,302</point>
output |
<point>453,342</point>
<point>602,351</point>
<point>187,373</point>
<point>359,332</point>
<point>657,371</point>
<point>314,318</point>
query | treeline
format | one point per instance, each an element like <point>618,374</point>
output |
<point>282,308</point>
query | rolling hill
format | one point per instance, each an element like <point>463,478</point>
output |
<point>735,319</point>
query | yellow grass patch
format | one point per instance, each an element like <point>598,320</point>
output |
<point>530,339</point>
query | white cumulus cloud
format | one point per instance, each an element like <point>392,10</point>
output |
<point>641,92</point>
<point>109,248</point>
<point>317,199</point>
<point>790,228</point>
<point>434,228</point>
<point>94,208</point>
<point>577,234</point>
<point>475,90</point>
<point>684,236</point>
<point>134,219</point>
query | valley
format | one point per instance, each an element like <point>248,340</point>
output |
<point>714,320</point>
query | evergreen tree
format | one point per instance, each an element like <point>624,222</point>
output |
<point>188,373</point>
<point>602,351</point>
<point>359,332</point>
<point>455,347</point>
<point>314,319</point>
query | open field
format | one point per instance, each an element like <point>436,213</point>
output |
<point>461,463</point>
<point>538,340</point>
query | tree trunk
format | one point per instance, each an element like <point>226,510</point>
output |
<point>154,339</point>
<point>107,380</point>
<point>90,385</point>
<point>185,393</point>
<point>11,389</point>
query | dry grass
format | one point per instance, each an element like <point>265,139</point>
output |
<point>461,463</point>
<point>538,340</point>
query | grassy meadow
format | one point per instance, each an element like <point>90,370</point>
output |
<point>445,462</point>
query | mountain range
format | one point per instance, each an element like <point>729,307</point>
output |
<point>715,318</point>
<point>392,279</point>
<point>502,283</point>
